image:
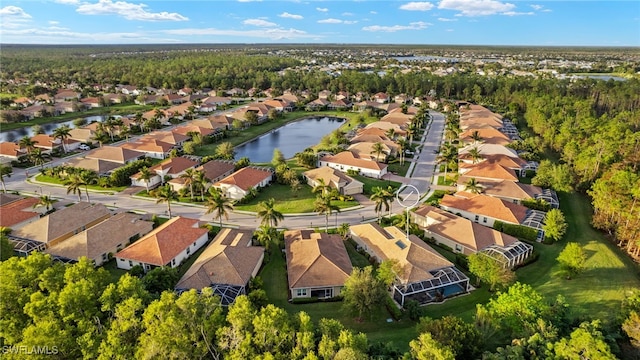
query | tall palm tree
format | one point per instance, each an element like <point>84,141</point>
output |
<point>74,185</point>
<point>88,177</point>
<point>5,171</point>
<point>475,136</point>
<point>267,212</point>
<point>220,204</point>
<point>448,154</point>
<point>37,157</point>
<point>322,187</point>
<point>473,186</point>
<point>225,151</point>
<point>402,143</point>
<point>201,181</point>
<point>125,131</point>
<point>380,199</point>
<point>101,137</point>
<point>146,175</point>
<point>267,236</point>
<point>378,149</point>
<point>324,207</point>
<point>475,155</point>
<point>44,200</point>
<point>189,177</point>
<point>165,194</point>
<point>27,144</point>
<point>63,132</point>
<point>391,133</point>
<point>389,194</point>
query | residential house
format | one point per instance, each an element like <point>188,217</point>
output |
<point>317,264</point>
<point>237,185</point>
<point>425,275</point>
<point>219,121</point>
<point>18,211</point>
<point>515,192</point>
<point>46,142</point>
<point>486,210</point>
<point>152,148</point>
<point>487,150</point>
<point>216,170</point>
<point>170,168</point>
<point>101,241</point>
<point>342,104</point>
<point>398,118</point>
<point>99,166</point>
<point>401,98</point>
<point>91,102</point>
<point>168,245</point>
<point>385,126</point>
<point>58,226</point>
<point>10,151</point>
<point>488,135</point>
<point>317,104</point>
<point>343,183</point>
<point>346,161</point>
<point>226,265</point>
<point>185,91</point>
<point>467,237</point>
<point>170,137</point>
<point>128,90</point>
<point>82,134</point>
<point>485,171</point>
<point>115,154</point>
<point>366,150</point>
<point>187,130</point>
<point>324,94</point>
<point>66,95</point>
<point>381,98</point>
<point>35,111</point>
<point>212,103</point>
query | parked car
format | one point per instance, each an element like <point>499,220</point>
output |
<point>84,147</point>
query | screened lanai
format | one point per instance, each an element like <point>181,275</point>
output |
<point>549,196</point>
<point>445,283</point>
<point>510,256</point>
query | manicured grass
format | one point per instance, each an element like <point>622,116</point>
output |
<point>119,109</point>
<point>51,180</point>
<point>449,181</point>
<point>437,195</point>
<point>377,328</point>
<point>396,168</point>
<point>113,270</point>
<point>357,259</point>
<point>288,202</point>
<point>370,183</point>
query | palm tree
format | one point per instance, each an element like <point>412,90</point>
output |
<point>475,155</point>
<point>267,212</point>
<point>343,230</point>
<point>37,157</point>
<point>5,171</point>
<point>391,133</point>
<point>225,151</point>
<point>125,131</point>
<point>389,194</point>
<point>378,149</point>
<point>202,181</point>
<point>101,137</point>
<point>145,175</point>
<point>402,143</point>
<point>475,136</point>
<point>220,204</point>
<point>324,207</point>
<point>267,237</point>
<point>74,185</point>
<point>62,133</point>
<point>189,177</point>
<point>44,200</point>
<point>380,199</point>
<point>165,194</point>
<point>473,186</point>
<point>322,187</point>
<point>88,177</point>
<point>27,144</point>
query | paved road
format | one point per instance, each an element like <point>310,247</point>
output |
<point>421,179</point>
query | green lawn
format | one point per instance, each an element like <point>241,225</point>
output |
<point>370,183</point>
<point>55,181</point>
<point>288,202</point>
<point>396,168</point>
<point>377,328</point>
<point>448,182</point>
<point>119,109</point>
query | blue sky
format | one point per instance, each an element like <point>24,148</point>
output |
<point>460,22</point>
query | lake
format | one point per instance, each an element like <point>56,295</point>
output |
<point>17,134</point>
<point>290,139</point>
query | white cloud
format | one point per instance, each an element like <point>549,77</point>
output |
<point>547,10</point>
<point>446,19</point>
<point>291,16</point>
<point>259,22</point>
<point>273,34</point>
<point>53,22</point>
<point>516,13</point>
<point>336,21</point>
<point>476,7</point>
<point>347,14</point>
<point>249,0</point>
<point>373,12</point>
<point>419,25</point>
<point>13,17</point>
<point>537,7</point>
<point>68,2</point>
<point>417,6</point>
<point>128,11</point>
<point>322,9</point>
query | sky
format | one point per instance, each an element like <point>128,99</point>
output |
<point>441,22</point>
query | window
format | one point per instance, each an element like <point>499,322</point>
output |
<point>105,257</point>
<point>130,263</point>
<point>477,218</point>
<point>195,243</point>
<point>188,250</point>
<point>301,292</point>
<point>459,247</point>
<point>173,262</point>
<point>484,220</point>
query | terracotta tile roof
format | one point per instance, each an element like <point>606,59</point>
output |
<point>417,258</point>
<point>365,150</point>
<point>458,229</point>
<point>315,259</point>
<point>397,118</point>
<point>114,153</point>
<point>215,168</point>
<point>487,170</point>
<point>386,126</point>
<point>45,141</point>
<point>164,243</point>
<point>489,136</point>
<point>485,205</point>
<point>17,211</point>
<point>246,178</point>
<point>82,134</point>
<point>229,259</point>
<point>331,177</point>
<point>510,189</point>
<point>62,222</point>
<point>97,165</point>
<point>174,165</point>
<point>349,159</point>
<point>220,119</point>
<point>11,149</point>
<point>488,150</point>
<point>168,137</point>
<point>145,144</point>
<point>185,130</point>
<point>103,237</point>
<point>506,161</point>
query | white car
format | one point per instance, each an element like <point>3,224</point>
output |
<point>84,147</point>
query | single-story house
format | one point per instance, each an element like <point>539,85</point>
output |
<point>226,265</point>
<point>515,192</point>
<point>18,211</point>
<point>488,135</point>
<point>317,264</point>
<point>10,151</point>
<point>102,240</point>
<point>237,185</point>
<point>467,237</point>
<point>343,183</point>
<point>173,168</point>
<point>167,245</point>
<point>485,171</point>
<point>151,147</point>
<point>425,275</point>
<point>100,167</point>
<point>115,154</point>
<point>346,161</point>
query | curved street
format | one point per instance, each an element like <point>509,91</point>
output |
<point>420,175</point>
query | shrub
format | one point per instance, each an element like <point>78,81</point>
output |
<point>308,300</point>
<point>392,308</point>
<point>463,261</point>
<point>413,309</point>
<point>519,231</point>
